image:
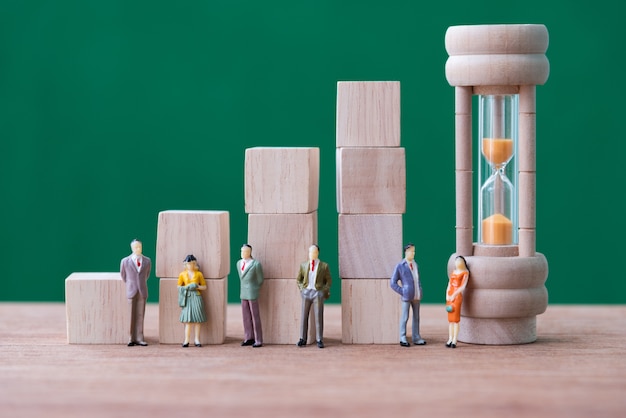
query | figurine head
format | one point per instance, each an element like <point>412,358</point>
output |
<point>409,252</point>
<point>246,251</point>
<point>460,263</point>
<point>190,262</point>
<point>314,252</point>
<point>136,247</point>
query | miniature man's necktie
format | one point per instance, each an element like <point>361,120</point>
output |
<point>243,265</point>
<point>138,263</point>
<point>312,265</point>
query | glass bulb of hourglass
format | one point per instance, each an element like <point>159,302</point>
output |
<point>497,131</point>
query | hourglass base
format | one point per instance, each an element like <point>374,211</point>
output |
<point>502,299</point>
<point>489,331</point>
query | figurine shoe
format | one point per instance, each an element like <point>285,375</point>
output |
<point>301,343</point>
<point>404,344</point>
<point>320,344</point>
<point>247,342</point>
<point>257,345</point>
<point>131,343</point>
<point>185,344</point>
<point>419,342</point>
<point>142,343</point>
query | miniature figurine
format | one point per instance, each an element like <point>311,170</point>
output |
<point>454,298</point>
<point>251,277</point>
<point>410,288</point>
<point>314,283</point>
<point>190,283</point>
<point>135,271</point>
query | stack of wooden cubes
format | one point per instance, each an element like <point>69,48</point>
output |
<point>371,198</point>
<point>206,235</point>
<point>281,200</point>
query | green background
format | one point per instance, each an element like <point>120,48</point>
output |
<point>112,111</point>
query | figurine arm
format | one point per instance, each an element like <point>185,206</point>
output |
<point>201,282</point>
<point>393,282</point>
<point>326,282</point>
<point>300,278</point>
<point>123,271</point>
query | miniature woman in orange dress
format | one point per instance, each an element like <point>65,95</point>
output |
<point>454,298</point>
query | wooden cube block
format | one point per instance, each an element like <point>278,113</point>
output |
<point>371,180</point>
<point>171,330</point>
<point>368,114</point>
<point>280,303</point>
<point>96,308</point>
<point>205,234</point>
<point>282,180</point>
<point>369,245</point>
<point>281,242</point>
<point>370,312</point>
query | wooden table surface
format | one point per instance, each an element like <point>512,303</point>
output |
<point>577,367</point>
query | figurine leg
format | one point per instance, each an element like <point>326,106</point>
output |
<point>455,332</point>
<point>318,306</point>
<point>187,333</point>
<point>306,308</point>
<point>450,334</point>
<point>256,322</point>
<point>197,334</point>
<point>404,318</point>
<point>247,320</point>
<point>415,330</point>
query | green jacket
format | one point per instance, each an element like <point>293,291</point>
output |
<point>251,280</point>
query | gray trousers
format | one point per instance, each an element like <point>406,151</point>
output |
<point>404,318</point>
<point>313,298</point>
<point>137,310</point>
<point>251,321</point>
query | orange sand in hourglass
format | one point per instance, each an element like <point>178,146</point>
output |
<point>497,229</point>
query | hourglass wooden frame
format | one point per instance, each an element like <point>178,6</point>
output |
<point>506,289</point>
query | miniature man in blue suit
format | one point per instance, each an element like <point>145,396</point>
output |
<point>135,270</point>
<point>407,274</point>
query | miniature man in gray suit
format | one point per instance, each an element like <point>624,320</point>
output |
<point>135,270</point>
<point>251,277</point>
<point>314,283</point>
<point>410,288</point>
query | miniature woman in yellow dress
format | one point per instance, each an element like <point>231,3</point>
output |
<point>454,298</point>
<point>190,283</point>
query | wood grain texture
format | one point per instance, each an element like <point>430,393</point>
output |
<point>171,330</point>
<point>576,368</point>
<point>96,309</point>
<point>370,312</point>
<point>280,242</point>
<point>280,303</point>
<point>369,245</point>
<point>371,180</point>
<point>203,233</point>
<point>282,179</point>
<point>368,114</point>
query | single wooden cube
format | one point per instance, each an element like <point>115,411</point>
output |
<point>280,303</point>
<point>281,241</point>
<point>97,309</point>
<point>368,114</point>
<point>205,234</point>
<point>369,245</point>
<point>371,180</point>
<point>370,312</point>
<point>282,180</point>
<point>172,331</point>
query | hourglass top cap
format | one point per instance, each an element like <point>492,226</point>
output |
<point>494,55</point>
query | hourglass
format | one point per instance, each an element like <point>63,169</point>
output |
<point>501,65</point>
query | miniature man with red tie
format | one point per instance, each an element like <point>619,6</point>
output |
<point>314,284</point>
<point>410,288</point>
<point>135,270</point>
